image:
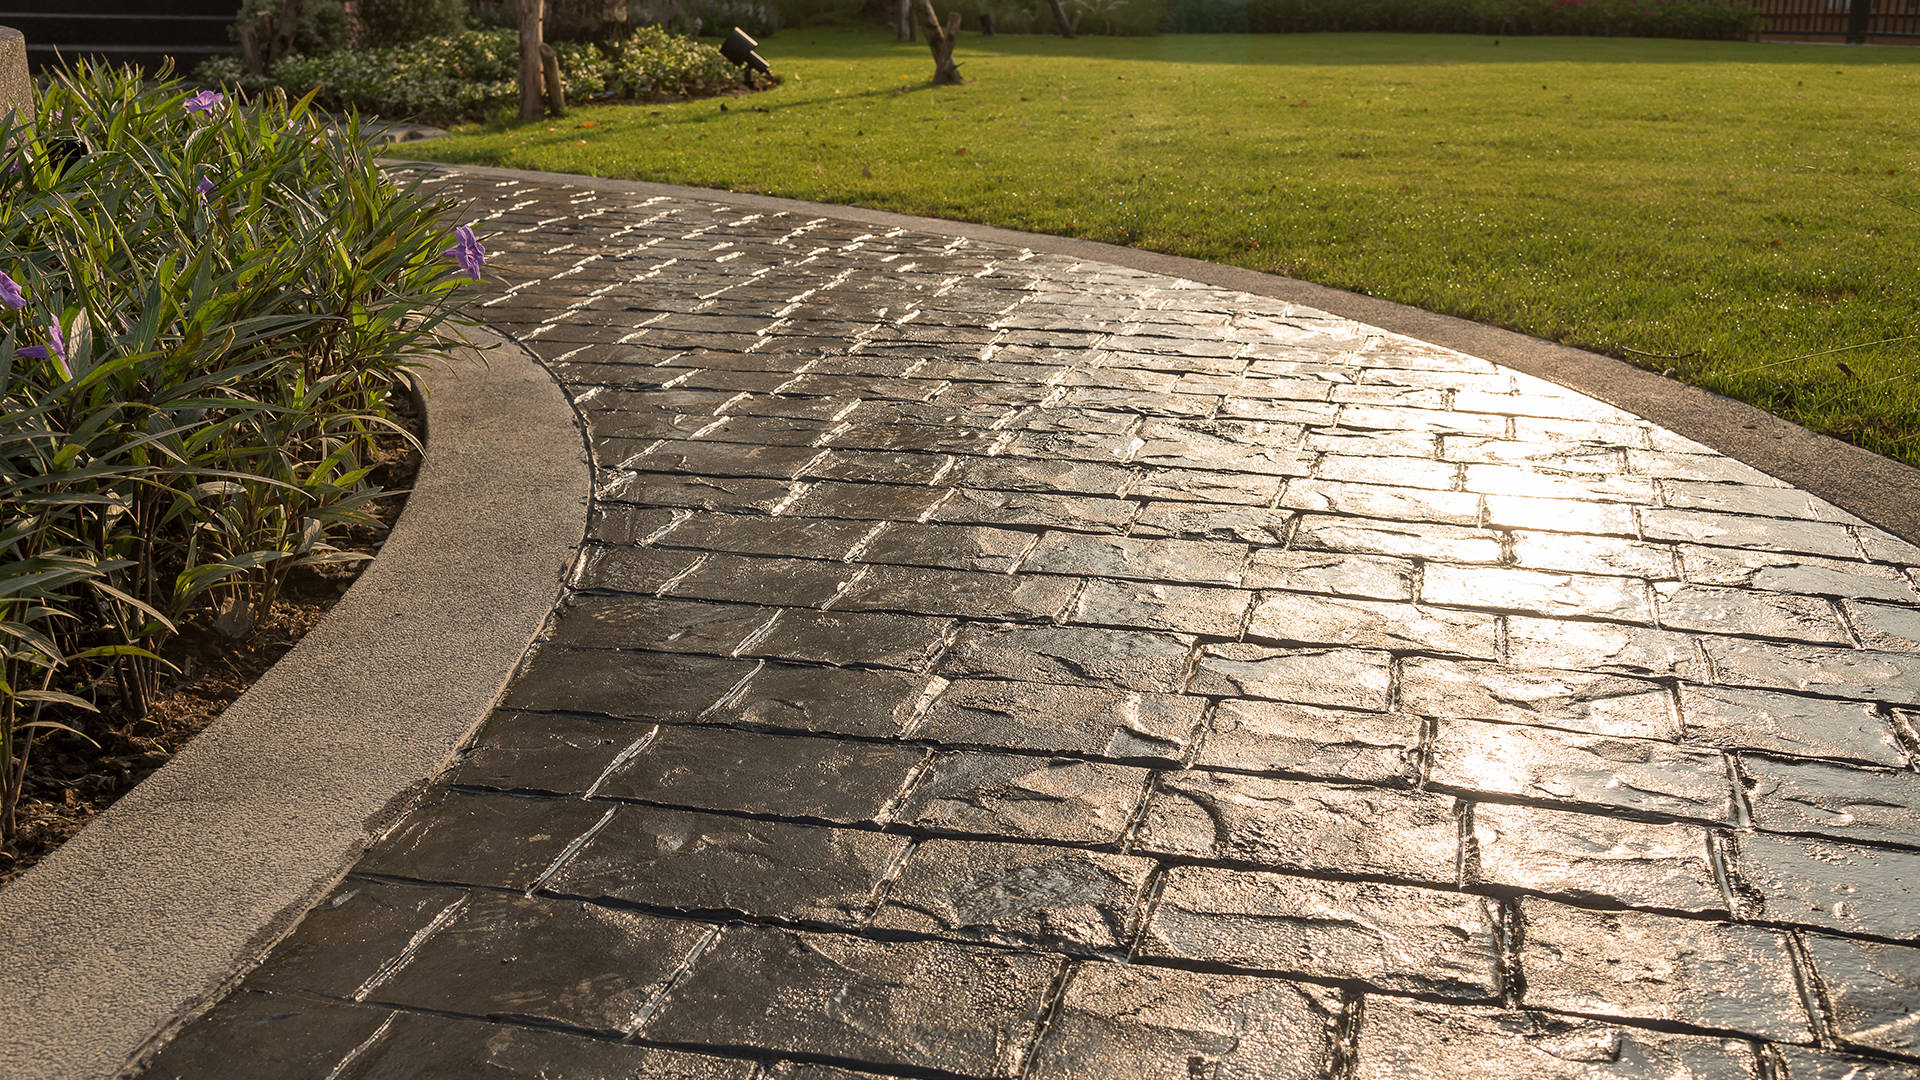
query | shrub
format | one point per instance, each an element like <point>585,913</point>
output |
<point>468,74</point>
<point>213,307</point>
<point>398,22</point>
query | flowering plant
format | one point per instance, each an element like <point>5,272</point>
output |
<point>205,316</point>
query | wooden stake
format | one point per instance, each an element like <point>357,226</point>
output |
<point>556,91</point>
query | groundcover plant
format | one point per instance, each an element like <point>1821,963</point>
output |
<point>207,309</point>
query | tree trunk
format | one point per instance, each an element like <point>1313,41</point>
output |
<point>1060,20</point>
<point>903,19</point>
<point>941,40</point>
<point>530,73</point>
<point>556,90</point>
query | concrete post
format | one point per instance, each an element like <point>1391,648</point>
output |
<point>16,88</point>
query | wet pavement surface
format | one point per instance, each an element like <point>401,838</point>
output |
<point>990,665</point>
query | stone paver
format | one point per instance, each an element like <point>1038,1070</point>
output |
<point>988,665</point>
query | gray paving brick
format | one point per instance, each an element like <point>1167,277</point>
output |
<point>1747,611</point>
<point>758,534</point>
<point>751,580</point>
<point>686,861</point>
<point>843,638</point>
<point>1203,562</point>
<point>1402,1039</point>
<point>1025,797</point>
<point>1392,937</point>
<point>824,700</point>
<point>1885,626</point>
<point>1616,647</point>
<point>1152,605</point>
<point>498,840</point>
<point>543,752</point>
<point>1396,504</point>
<point>635,622</point>
<point>430,1047</point>
<point>1345,678</point>
<point>1306,740</point>
<point>1633,965</point>
<point>1776,572</point>
<point>950,547</point>
<point>925,1005</point>
<point>267,1035</point>
<point>352,934</point>
<point>1255,525</point>
<point>1860,674</point>
<point>639,686</point>
<point>965,593</point>
<point>1828,884</point>
<point>986,507</point>
<point>1591,858</point>
<point>1602,771</point>
<point>1535,592</point>
<point>1737,719</point>
<point>549,961</point>
<point>1871,993</point>
<point>1120,724</point>
<point>1017,894</point>
<point>1839,801</point>
<point>710,768</point>
<point>1582,701</point>
<point>1801,1063</point>
<point>1446,543</point>
<point>1742,531</point>
<point>1365,576</point>
<point>866,502</point>
<point>727,494</point>
<point>1561,515</point>
<point>1078,655</point>
<point>1302,619</point>
<point>1156,1024</point>
<point>1303,825</point>
<point>644,570</point>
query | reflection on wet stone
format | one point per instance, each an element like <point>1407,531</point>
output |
<point>1587,857</point>
<point>1305,740</point>
<point>1401,1039</point>
<point>926,1005</point>
<point>1562,766</point>
<point>1157,1024</point>
<point>1016,894</point>
<point>1836,886</point>
<point>1394,937</point>
<point>1633,965</point>
<point>708,862</point>
<point>1058,799</point>
<point>1840,801</point>
<point>1872,993</point>
<point>1582,701</point>
<point>789,775</point>
<point>1302,825</point>
<point>1346,678</point>
<point>1119,724</point>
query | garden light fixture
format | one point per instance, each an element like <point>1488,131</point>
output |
<point>738,49</point>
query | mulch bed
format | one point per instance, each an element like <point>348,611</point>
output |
<point>69,781</point>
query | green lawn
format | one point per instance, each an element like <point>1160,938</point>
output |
<point>1726,207</point>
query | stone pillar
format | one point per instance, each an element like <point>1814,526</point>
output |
<point>16,88</point>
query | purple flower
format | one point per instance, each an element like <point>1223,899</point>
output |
<point>10,293</point>
<point>204,186</point>
<point>56,347</point>
<point>466,251</point>
<point>204,101</point>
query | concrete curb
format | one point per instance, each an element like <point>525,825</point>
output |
<point>1877,489</point>
<point>151,911</point>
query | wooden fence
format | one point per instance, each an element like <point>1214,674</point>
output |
<point>1883,22</point>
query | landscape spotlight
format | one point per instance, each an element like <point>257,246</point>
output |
<point>738,49</point>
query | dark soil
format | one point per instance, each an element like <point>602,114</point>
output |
<point>70,780</point>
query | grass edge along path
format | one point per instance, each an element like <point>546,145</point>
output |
<point>1734,214</point>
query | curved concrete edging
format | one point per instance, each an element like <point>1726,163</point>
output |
<point>153,908</point>
<point>1877,489</point>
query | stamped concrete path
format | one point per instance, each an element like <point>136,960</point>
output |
<point>990,665</point>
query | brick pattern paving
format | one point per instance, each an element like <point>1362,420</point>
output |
<point>988,665</point>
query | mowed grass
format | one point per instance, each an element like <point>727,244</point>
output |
<point>1720,210</point>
